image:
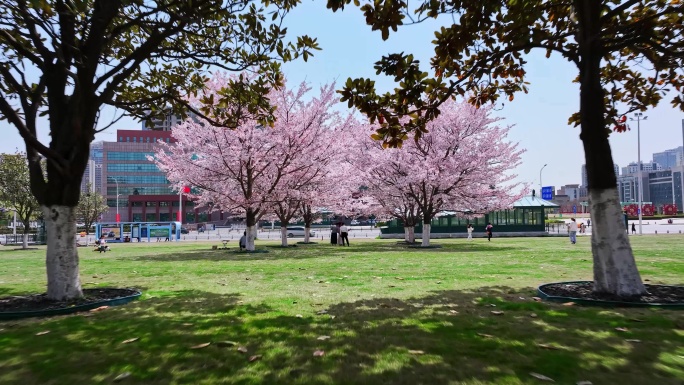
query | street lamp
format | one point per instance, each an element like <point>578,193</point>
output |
<point>541,186</point>
<point>639,117</point>
<point>118,218</point>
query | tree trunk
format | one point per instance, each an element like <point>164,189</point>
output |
<point>283,236</point>
<point>251,230</point>
<point>615,270</point>
<point>62,256</point>
<point>426,235</point>
<point>307,230</point>
<point>25,240</point>
<point>410,234</point>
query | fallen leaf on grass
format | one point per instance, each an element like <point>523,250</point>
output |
<point>453,311</point>
<point>201,346</point>
<point>187,324</point>
<point>439,282</point>
<point>485,335</point>
<point>43,333</point>
<point>416,352</point>
<point>99,309</point>
<point>122,376</point>
<point>391,286</point>
<point>128,341</point>
<point>299,316</point>
<point>242,349</point>
<point>399,278</point>
<point>541,377</point>
<point>226,344</point>
<point>496,312</point>
<point>569,304</point>
<point>622,329</point>
<point>320,312</point>
<point>536,299</point>
<point>634,341</point>
<point>584,383</point>
<point>534,315</point>
<point>547,346</point>
<point>394,268</point>
<point>255,357</point>
<point>318,353</point>
<point>323,338</point>
<point>637,320</point>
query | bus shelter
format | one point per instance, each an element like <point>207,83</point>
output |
<point>136,231</point>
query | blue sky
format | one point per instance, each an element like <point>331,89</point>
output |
<point>540,118</point>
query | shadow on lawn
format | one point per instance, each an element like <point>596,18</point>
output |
<point>276,252</point>
<point>445,337</point>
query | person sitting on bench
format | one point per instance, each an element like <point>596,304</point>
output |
<point>102,245</point>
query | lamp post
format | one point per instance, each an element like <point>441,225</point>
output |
<point>541,185</point>
<point>639,117</point>
<point>118,218</point>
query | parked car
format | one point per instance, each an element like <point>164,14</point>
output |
<point>111,234</point>
<point>354,222</point>
<point>298,231</point>
<point>184,230</point>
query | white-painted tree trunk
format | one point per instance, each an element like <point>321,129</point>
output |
<point>283,236</point>
<point>339,239</point>
<point>251,235</point>
<point>615,269</point>
<point>307,231</point>
<point>61,257</point>
<point>426,234</point>
<point>25,241</point>
<point>410,234</point>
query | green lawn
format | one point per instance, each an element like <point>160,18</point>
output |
<point>393,316</point>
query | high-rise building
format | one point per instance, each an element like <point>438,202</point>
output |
<point>572,191</point>
<point>93,171</point>
<point>633,167</point>
<point>585,178</point>
<point>669,158</point>
<point>136,188</point>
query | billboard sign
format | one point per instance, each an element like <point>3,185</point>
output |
<point>547,193</point>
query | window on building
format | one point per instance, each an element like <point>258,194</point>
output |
<point>121,139</point>
<point>163,204</point>
<point>128,139</point>
<point>150,204</point>
<point>150,217</point>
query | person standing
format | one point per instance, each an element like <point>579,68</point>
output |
<point>344,233</point>
<point>333,234</point>
<point>572,230</point>
<point>489,230</point>
<point>470,231</point>
<point>633,228</point>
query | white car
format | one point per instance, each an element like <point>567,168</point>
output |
<point>355,222</point>
<point>298,231</point>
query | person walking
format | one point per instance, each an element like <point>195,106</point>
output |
<point>572,230</point>
<point>633,228</point>
<point>489,230</point>
<point>344,233</point>
<point>470,231</point>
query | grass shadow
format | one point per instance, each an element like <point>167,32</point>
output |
<point>444,337</point>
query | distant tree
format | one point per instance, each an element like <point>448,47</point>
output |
<point>90,207</point>
<point>15,191</point>
<point>68,59</point>
<point>462,164</point>
<point>629,55</point>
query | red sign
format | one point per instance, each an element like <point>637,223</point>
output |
<point>118,218</point>
<point>186,190</point>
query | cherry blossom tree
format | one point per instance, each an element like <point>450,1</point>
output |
<point>462,165</point>
<point>254,169</point>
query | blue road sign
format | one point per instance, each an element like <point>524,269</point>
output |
<point>547,192</point>
<point>638,211</point>
<point>574,209</point>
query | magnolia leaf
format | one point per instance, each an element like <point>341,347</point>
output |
<point>201,346</point>
<point>226,344</point>
<point>99,309</point>
<point>43,333</point>
<point>299,316</point>
<point>536,299</point>
<point>242,349</point>
<point>187,324</point>
<point>485,335</point>
<point>319,353</point>
<point>416,352</point>
<point>255,357</point>
<point>569,304</point>
<point>583,383</point>
<point>634,341</point>
<point>128,341</point>
<point>497,312</point>
<point>622,329</point>
<point>547,346</point>
<point>323,338</point>
<point>541,377</point>
<point>122,376</point>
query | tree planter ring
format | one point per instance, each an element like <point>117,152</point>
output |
<point>307,243</point>
<point>257,251</point>
<point>71,309</point>
<point>604,303</point>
